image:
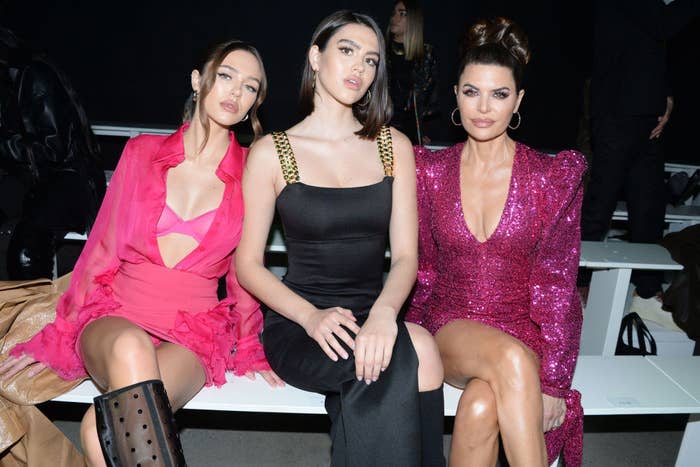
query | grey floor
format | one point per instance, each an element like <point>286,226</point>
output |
<point>257,440</point>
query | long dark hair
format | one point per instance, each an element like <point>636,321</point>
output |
<point>497,42</point>
<point>377,112</point>
<point>207,70</point>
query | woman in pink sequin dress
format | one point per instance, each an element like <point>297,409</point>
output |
<point>499,252</point>
<point>142,315</point>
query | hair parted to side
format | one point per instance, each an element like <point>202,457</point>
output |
<point>207,70</point>
<point>377,112</point>
<point>498,41</point>
<point>413,46</point>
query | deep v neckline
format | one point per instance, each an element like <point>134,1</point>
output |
<point>505,204</point>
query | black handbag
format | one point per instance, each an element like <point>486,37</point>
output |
<point>632,325</point>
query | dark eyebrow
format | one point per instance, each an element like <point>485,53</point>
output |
<point>354,44</point>
<point>503,88</point>
<point>237,71</point>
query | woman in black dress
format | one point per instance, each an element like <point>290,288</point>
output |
<point>343,184</point>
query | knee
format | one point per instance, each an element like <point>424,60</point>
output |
<point>477,414</point>
<point>430,371</point>
<point>518,367</point>
<point>132,346</point>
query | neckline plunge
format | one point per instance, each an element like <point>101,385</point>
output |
<point>506,203</point>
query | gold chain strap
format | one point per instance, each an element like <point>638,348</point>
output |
<point>386,152</point>
<point>286,157</point>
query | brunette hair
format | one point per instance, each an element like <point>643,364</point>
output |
<point>413,45</point>
<point>207,70</point>
<point>497,42</point>
<point>377,112</point>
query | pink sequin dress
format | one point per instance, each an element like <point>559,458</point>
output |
<point>522,279</point>
<point>120,271</point>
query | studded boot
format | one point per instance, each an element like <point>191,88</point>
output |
<point>136,427</point>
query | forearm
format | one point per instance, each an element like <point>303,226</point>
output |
<point>398,285</point>
<point>264,285</point>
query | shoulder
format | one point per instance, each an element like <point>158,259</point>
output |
<point>566,166</point>
<point>263,153</point>
<point>399,142</point>
<point>430,162</point>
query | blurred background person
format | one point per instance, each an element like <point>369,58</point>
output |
<point>412,69</point>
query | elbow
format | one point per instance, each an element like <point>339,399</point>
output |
<point>244,269</point>
<point>408,262</point>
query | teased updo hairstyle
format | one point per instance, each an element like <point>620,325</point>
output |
<point>377,112</point>
<point>497,42</point>
<point>207,71</point>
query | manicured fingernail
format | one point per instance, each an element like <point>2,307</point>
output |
<point>382,369</point>
<point>345,356</point>
<point>367,381</point>
<point>359,378</point>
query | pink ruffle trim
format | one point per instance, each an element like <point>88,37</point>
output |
<point>55,345</point>
<point>248,356</point>
<point>211,336</point>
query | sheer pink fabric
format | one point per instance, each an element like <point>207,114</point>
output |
<point>124,233</point>
<point>522,279</point>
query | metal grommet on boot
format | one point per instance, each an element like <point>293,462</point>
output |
<point>136,427</point>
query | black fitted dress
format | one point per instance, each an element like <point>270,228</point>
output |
<point>336,239</point>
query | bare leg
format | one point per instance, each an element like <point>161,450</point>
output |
<point>475,432</point>
<point>118,353</point>
<point>474,350</point>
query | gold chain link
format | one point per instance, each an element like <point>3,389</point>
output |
<point>386,153</point>
<point>286,157</point>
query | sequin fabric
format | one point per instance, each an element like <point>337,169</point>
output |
<point>522,279</point>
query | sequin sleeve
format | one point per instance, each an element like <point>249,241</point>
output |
<point>427,250</point>
<point>555,305</point>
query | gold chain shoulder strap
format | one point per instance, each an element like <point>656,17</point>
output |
<point>386,152</point>
<point>286,157</point>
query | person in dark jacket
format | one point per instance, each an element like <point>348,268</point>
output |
<point>631,102</point>
<point>46,145</point>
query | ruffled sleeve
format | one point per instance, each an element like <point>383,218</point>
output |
<point>555,305</point>
<point>427,250</point>
<point>55,344</point>
<point>248,353</point>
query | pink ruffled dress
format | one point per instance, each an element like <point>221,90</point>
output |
<point>521,280</point>
<point>121,273</point>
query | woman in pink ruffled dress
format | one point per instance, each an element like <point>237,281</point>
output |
<point>498,257</point>
<point>142,316</point>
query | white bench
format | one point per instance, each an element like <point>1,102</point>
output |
<point>613,263</point>
<point>609,386</point>
<point>678,217</point>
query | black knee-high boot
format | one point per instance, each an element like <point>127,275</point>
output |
<point>136,427</point>
<point>432,410</point>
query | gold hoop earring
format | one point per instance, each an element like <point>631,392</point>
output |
<point>194,96</point>
<point>452,117</point>
<point>365,102</point>
<point>519,120</point>
<point>313,83</point>
<point>245,118</point>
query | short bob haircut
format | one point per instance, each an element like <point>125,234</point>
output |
<point>377,112</point>
<point>207,70</point>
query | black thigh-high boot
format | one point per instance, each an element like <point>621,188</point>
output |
<point>136,427</point>
<point>432,411</point>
